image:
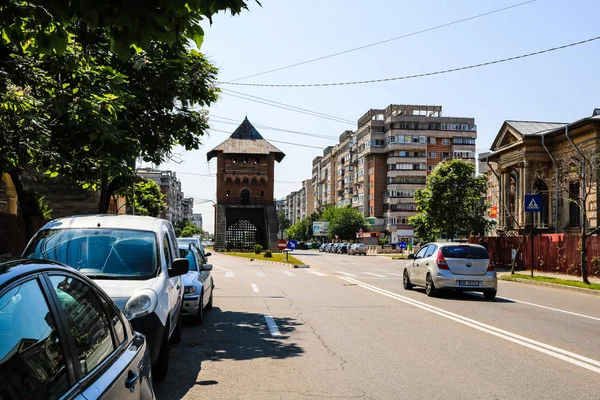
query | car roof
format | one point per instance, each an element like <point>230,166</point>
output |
<point>12,270</point>
<point>137,222</point>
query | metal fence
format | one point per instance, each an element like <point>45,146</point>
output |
<point>551,253</point>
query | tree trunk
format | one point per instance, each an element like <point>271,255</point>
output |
<point>107,189</point>
<point>513,263</point>
<point>15,175</point>
<point>584,270</point>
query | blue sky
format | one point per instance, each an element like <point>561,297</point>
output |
<point>562,86</point>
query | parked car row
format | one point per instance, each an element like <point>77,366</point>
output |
<point>344,248</point>
<point>98,300</point>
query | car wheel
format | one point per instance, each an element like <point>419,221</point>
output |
<point>159,371</point>
<point>176,336</point>
<point>429,286</point>
<point>200,314</point>
<point>210,299</point>
<point>406,281</point>
<point>490,294</point>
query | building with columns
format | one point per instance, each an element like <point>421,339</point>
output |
<point>539,158</point>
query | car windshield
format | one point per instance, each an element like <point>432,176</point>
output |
<point>465,252</point>
<point>99,253</point>
<point>187,254</point>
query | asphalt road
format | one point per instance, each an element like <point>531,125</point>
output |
<point>346,329</point>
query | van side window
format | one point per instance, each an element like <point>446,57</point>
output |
<point>167,250</point>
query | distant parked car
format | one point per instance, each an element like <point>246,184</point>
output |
<point>198,283</point>
<point>196,242</point>
<point>323,247</point>
<point>61,335</point>
<point>464,267</point>
<point>357,248</point>
<point>135,260</point>
<point>343,248</point>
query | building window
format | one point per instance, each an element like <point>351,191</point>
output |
<point>432,154</point>
<point>227,194</point>
<point>431,140</point>
<point>262,193</point>
<point>431,168</point>
<point>245,160</point>
<point>257,160</point>
<point>445,156</point>
<point>446,141</point>
<point>574,212</point>
<point>234,160</point>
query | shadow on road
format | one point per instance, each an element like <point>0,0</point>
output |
<point>464,296</point>
<point>223,335</point>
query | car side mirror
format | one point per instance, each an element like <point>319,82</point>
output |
<point>207,267</point>
<point>411,256</point>
<point>208,254</point>
<point>180,267</point>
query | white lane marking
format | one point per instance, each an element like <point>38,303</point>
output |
<point>382,270</point>
<point>395,274</point>
<point>351,263</point>
<point>288,273</point>
<point>316,273</point>
<point>260,273</point>
<point>551,308</point>
<point>229,274</point>
<point>344,273</point>
<point>254,287</point>
<point>376,275</point>
<point>221,268</point>
<point>565,355</point>
<point>272,325</point>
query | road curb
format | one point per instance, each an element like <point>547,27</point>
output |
<point>555,285</point>
<point>269,262</point>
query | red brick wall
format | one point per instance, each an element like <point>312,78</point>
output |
<point>260,186</point>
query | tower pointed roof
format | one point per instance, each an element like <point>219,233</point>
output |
<point>246,140</point>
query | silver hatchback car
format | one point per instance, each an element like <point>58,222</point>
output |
<point>452,266</point>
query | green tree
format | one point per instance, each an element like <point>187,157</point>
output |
<point>148,199</point>
<point>345,222</point>
<point>422,227</point>
<point>452,200</point>
<point>283,221</point>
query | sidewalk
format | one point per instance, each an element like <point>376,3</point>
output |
<point>592,279</point>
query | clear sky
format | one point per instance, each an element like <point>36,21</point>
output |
<point>561,86</point>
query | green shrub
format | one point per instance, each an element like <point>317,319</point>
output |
<point>258,249</point>
<point>268,254</point>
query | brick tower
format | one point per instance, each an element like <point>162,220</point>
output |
<point>245,210</point>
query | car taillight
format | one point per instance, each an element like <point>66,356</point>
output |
<point>441,261</point>
<point>491,267</point>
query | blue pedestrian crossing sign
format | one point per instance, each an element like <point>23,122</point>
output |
<point>533,203</point>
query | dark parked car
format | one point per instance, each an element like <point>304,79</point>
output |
<point>61,335</point>
<point>343,248</point>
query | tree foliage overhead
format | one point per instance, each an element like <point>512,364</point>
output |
<point>451,202</point>
<point>45,27</point>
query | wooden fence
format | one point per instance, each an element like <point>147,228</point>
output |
<point>551,253</point>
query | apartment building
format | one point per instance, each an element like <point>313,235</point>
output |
<point>187,208</point>
<point>300,204</point>
<point>377,168</point>
<point>170,186</point>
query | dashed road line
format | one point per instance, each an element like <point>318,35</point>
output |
<point>375,275</point>
<point>221,268</point>
<point>254,287</point>
<point>395,274</point>
<point>229,274</point>
<point>382,270</point>
<point>316,273</point>
<point>272,326</point>
<point>288,273</point>
<point>344,273</point>
<point>260,274</point>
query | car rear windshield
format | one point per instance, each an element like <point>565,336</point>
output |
<point>465,252</point>
<point>185,253</point>
<point>99,253</point>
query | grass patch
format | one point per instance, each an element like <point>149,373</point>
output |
<point>566,282</point>
<point>401,256</point>
<point>279,257</point>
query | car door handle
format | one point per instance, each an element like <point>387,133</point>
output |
<point>132,378</point>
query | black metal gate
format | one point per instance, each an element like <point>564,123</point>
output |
<point>242,235</point>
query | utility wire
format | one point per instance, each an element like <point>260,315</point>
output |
<point>236,122</point>
<point>276,141</point>
<point>276,104</point>
<point>502,60</point>
<point>384,41</point>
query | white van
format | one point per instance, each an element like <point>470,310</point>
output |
<point>135,260</point>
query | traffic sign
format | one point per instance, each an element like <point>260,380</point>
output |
<point>282,244</point>
<point>402,245</point>
<point>533,203</point>
<point>292,244</point>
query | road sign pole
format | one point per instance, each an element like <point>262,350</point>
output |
<point>532,242</point>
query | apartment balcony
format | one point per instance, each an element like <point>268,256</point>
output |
<point>405,146</point>
<point>406,172</point>
<point>398,200</point>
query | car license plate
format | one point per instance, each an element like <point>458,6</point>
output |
<point>469,283</point>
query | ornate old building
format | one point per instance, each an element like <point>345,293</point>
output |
<point>558,161</point>
<point>245,211</point>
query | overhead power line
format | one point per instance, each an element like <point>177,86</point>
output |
<point>384,41</point>
<point>288,107</point>
<point>275,141</point>
<point>236,122</point>
<point>502,60</point>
